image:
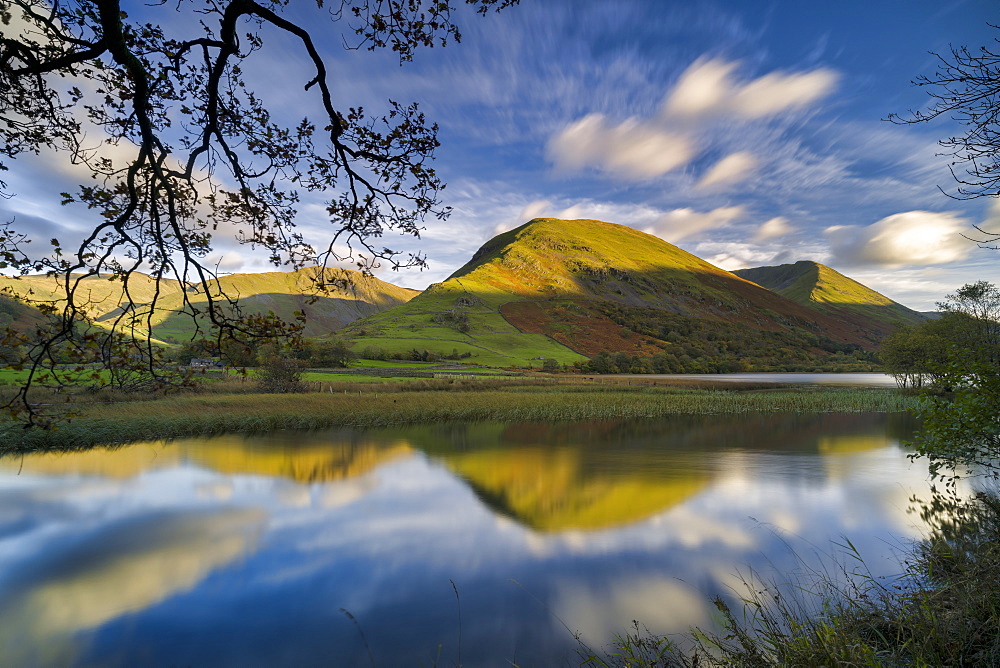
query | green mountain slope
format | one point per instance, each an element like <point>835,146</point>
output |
<point>350,296</point>
<point>568,289</point>
<point>826,290</point>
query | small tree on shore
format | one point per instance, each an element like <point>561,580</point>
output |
<point>962,422</point>
<point>914,356</point>
<point>278,373</point>
<point>331,353</point>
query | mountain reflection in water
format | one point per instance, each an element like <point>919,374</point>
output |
<point>243,550</point>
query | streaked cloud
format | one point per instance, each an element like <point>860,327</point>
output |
<point>226,261</point>
<point>684,223</point>
<point>776,92</point>
<point>707,86</point>
<point>773,228</point>
<point>991,225</point>
<point>912,238</point>
<point>733,168</point>
<point>738,255</point>
<point>703,87</point>
<point>631,149</point>
<point>535,209</point>
<point>640,148</point>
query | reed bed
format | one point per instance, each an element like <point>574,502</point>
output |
<point>357,406</point>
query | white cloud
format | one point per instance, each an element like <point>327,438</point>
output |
<point>731,169</point>
<point>991,225</point>
<point>707,87</point>
<point>730,255</point>
<point>684,223</point>
<point>912,238</point>
<point>703,87</point>
<point>542,209</point>
<point>776,227</point>
<point>631,149</point>
<point>642,148</point>
<point>774,93</point>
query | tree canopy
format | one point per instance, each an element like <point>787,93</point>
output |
<point>181,149</point>
<point>957,357</point>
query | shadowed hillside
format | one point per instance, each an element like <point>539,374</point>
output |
<point>826,290</point>
<point>564,289</point>
<point>18,315</point>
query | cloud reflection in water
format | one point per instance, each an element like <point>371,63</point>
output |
<point>231,551</point>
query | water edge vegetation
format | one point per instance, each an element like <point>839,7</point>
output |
<point>231,406</point>
<point>942,610</point>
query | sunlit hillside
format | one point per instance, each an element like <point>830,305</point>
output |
<point>554,489</point>
<point>564,290</point>
<point>230,455</point>
<point>346,296</point>
<point>828,291</point>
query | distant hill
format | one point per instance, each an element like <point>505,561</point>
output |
<point>550,290</point>
<point>872,315</point>
<point>566,290</point>
<point>350,296</point>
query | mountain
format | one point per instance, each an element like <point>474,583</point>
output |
<point>17,315</point>
<point>569,289</point>
<point>302,460</point>
<point>826,290</point>
<point>551,290</point>
<point>351,295</point>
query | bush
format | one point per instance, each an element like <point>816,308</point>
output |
<point>277,373</point>
<point>331,353</point>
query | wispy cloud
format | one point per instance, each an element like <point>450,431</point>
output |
<point>773,228</point>
<point>632,149</point>
<point>708,87</point>
<point>731,169</point>
<point>640,148</point>
<point>686,223</point>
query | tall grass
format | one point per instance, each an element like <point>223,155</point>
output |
<point>423,402</point>
<point>943,611</point>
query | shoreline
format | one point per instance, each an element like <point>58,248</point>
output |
<point>194,414</point>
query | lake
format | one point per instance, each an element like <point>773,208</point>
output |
<point>821,379</point>
<point>472,543</point>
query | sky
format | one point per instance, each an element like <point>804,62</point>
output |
<point>747,133</point>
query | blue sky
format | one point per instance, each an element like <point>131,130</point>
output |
<point>748,133</point>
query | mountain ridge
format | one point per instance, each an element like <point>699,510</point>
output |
<point>828,291</point>
<point>350,295</point>
<point>568,289</point>
<point>561,291</point>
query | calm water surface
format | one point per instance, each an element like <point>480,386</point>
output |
<point>848,379</point>
<point>238,551</point>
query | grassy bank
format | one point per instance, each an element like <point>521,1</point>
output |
<point>114,420</point>
<point>943,611</point>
